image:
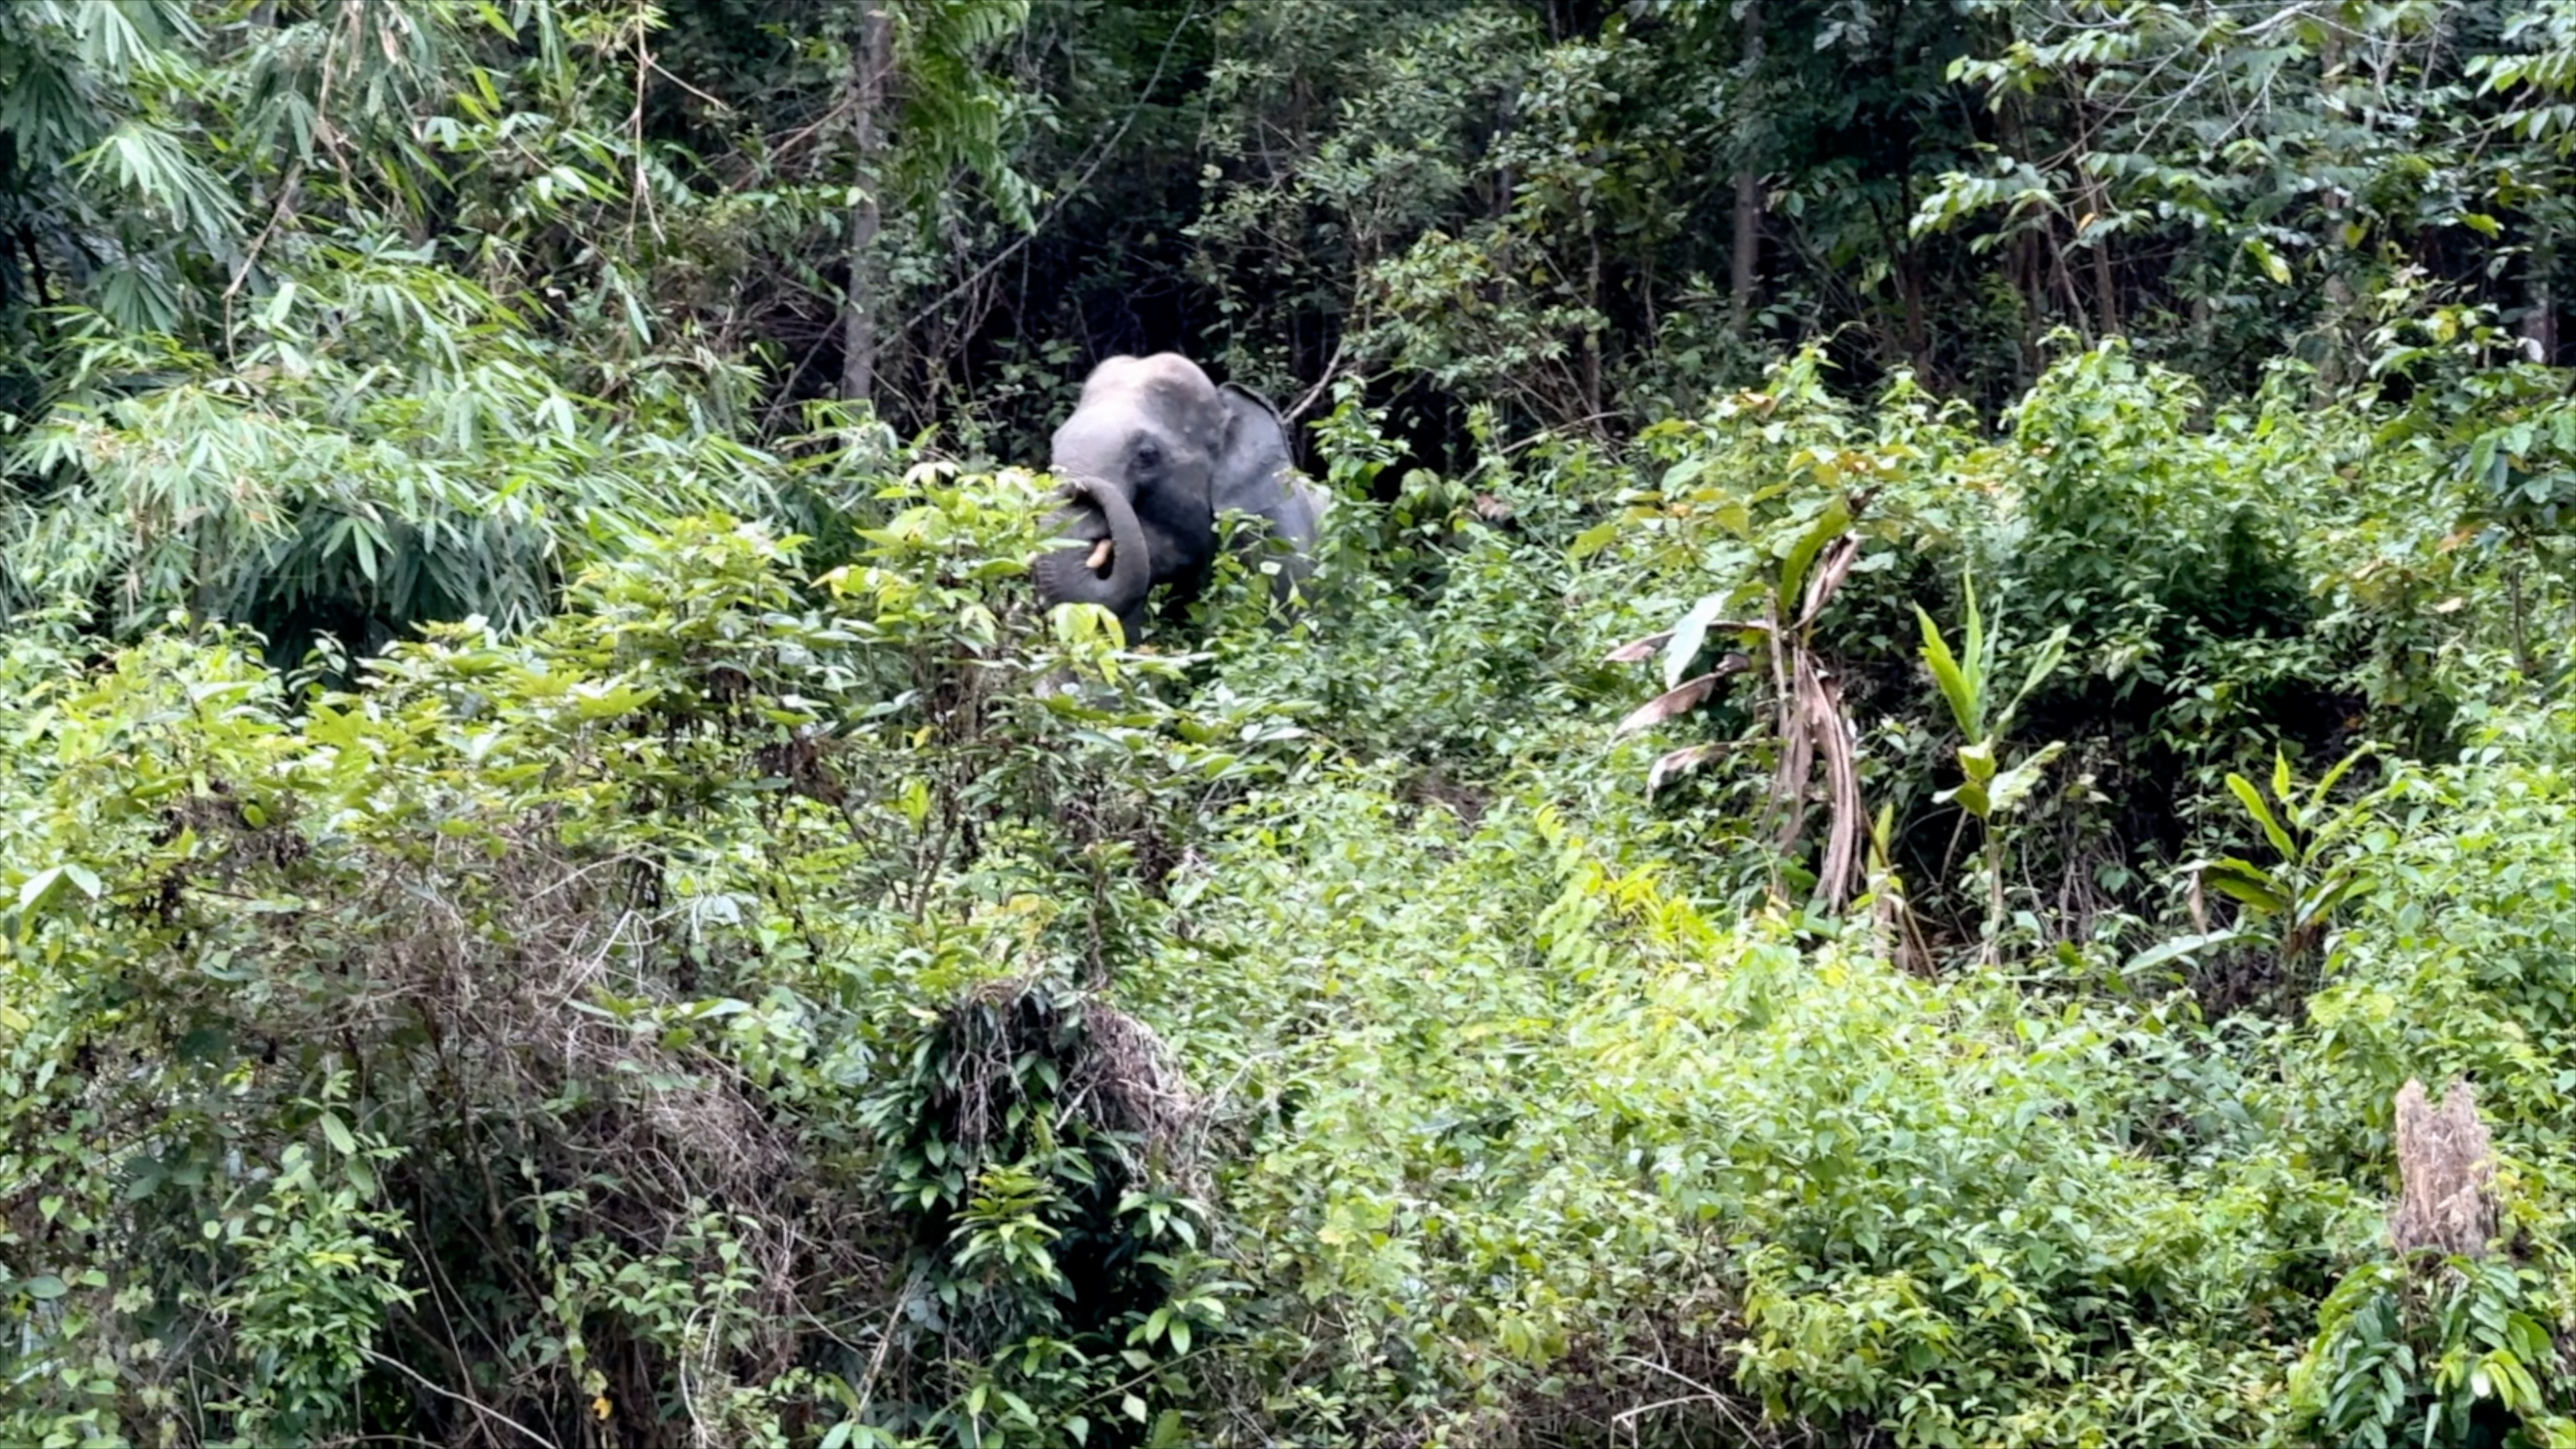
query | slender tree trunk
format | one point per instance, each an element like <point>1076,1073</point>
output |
<point>1918,328</point>
<point>2523,658</point>
<point>2540,324</point>
<point>2030,272</point>
<point>2063,277</point>
<point>2030,260</point>
<point>871,58</point>
<point>40,279</point>
<point>1909,278</point>
<point>1747,261</point>
<point>1592,334</point>
<point>2332,370</point>
<point>2106,301</point>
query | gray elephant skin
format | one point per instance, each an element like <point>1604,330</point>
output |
<point>1150,458</point>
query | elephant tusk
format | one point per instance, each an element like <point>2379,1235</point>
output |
<point>1101,553</point>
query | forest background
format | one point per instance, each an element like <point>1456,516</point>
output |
<point>1942,665</point>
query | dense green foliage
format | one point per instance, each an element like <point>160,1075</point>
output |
<point>1942,663</point>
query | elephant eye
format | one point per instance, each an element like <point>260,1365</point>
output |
<point>1148,456</point>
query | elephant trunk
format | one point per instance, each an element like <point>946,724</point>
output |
<point>1070,576</point>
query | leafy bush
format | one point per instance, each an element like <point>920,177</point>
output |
<point>1937,685</point>
<point>530,1034</point>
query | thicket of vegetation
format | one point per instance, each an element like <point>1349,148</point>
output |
<point>1942,665</point>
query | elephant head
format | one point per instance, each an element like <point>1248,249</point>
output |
<point>1153,450</point>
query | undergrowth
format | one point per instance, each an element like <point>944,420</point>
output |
<point>805,999</point>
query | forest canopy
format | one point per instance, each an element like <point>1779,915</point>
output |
<point>1923,793</point>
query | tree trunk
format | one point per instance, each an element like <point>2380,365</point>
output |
<point>2032,252</point>
<point>2030,270</point>
<point>2540,324</point>
<point>1592,331</point>
<point>2332,370</point>
<point>2106,300</point>
<point>1909,277</point>
<point>1747,261</point>
<point>871,59</point>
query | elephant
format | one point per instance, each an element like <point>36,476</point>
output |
<point>1153,453</point>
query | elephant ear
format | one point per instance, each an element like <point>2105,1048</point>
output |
<point>1250,465</point>
<point>1237,395</point>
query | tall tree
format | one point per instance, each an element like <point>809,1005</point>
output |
<point>871,58</point>
<point>1745,265</point>
<point>924,106</point>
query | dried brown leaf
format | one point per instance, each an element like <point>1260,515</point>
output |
<point>1846,826</point>
<point>1680,762</point>
<point>1638,651</point>
<point>1675,701</point>
<point>1679,699</point>
<point>1828,577</point>
<point>2446,1174</point>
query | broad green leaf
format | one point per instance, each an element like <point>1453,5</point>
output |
<point>2243,881</point>
<point>594,702</point>
<point>1979,659</point>
<point>280,304</point>
<point>1832,523</point>
<point>2268,259</point>
<point>2181,947</point>
<point>2329,897</point>
<point>1957,686</point>
<point>2043,664</point>
<point>46,886</point>
<point>2243,789</point>
<point>2317,793</point>
<point>2011,787</point>
<point>1978,760</point>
